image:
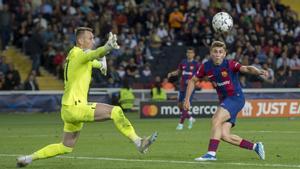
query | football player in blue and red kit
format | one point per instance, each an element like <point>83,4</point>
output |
<point>224,75</point>
<point>186,69</point>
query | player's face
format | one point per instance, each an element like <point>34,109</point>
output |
<point>88,40</point>
<point>190,54</point>
<point>217,54</point>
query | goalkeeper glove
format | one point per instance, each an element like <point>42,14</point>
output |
<point>103,67</point>
<point>111,42</point>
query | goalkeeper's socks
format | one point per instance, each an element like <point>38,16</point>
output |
<point>51,150</point>
<point>123,124</point>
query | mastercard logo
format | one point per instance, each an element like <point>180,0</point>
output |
<point>149,110</point>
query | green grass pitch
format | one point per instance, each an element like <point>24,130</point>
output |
<point>102,146</point>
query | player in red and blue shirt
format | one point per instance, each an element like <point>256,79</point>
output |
<point>224,74</point>
<point>186,69</point>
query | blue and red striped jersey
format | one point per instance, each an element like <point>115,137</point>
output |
<point>188,70</point>
<point>225,77</point>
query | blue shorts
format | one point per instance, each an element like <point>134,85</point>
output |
<point>181,96</point>
<point>233,105</point>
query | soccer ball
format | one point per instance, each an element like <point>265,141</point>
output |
<point>222,22</point>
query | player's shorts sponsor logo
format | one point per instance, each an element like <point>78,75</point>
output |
<point>150,110</point>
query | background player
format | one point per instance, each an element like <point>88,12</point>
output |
<point>186,69</point>
<point>224,74</point>
<point>75,109</point>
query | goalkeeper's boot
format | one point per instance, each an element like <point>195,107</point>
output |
<point>103,68</point>
<point>23,161</point>
<point>260,151</point>
<point>146,142</point>
<point>206,157</point>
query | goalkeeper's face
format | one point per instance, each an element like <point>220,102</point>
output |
<point>88,41</point>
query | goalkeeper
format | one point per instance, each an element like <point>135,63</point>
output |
<point>75,109</point>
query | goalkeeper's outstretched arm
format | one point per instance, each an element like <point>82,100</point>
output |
<point>103,50</point>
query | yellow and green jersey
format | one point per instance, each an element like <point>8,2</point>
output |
<point>78,74</point>
<point>159,96</point>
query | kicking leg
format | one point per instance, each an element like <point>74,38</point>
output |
<point>115,113</point>
<point>238,141</point>
<point>233,139</point>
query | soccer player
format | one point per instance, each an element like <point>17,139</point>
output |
<point>224,75</point>
<point>75,109</point>
<point>186,69</point>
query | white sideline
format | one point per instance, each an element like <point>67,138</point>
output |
<point>237,131</point>
<point>267,131</point>
<point>168,161</point>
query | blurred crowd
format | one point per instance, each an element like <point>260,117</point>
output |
<point>10,78</point>
<point>266,34</point>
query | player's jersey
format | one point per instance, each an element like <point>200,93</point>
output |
<point>188,70</point>
<point>225,77</point>
<point>78,73</point>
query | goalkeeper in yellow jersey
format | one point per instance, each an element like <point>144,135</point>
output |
<point>75,109</point>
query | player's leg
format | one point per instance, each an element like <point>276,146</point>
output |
<point>238,141</point>
<point>115,113</point>
<point>226,112</point>
<point>218,119</point>
<point>191,119</point>
<point>227,136</point>
<point>72,127</point>
<point>184,113</point>
<point>182,116</point>
<point>66,146</point>
<point>234,105</point>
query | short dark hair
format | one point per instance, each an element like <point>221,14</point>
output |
<point>80,30</point>
<point>191,48</point>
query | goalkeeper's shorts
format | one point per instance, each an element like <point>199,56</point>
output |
<point>74,116</point>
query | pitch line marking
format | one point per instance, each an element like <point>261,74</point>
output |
<point>238,131</point>
<point>167,161</point>
<point>267,131</point>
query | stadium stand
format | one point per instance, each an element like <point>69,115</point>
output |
<point>266,34</point>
